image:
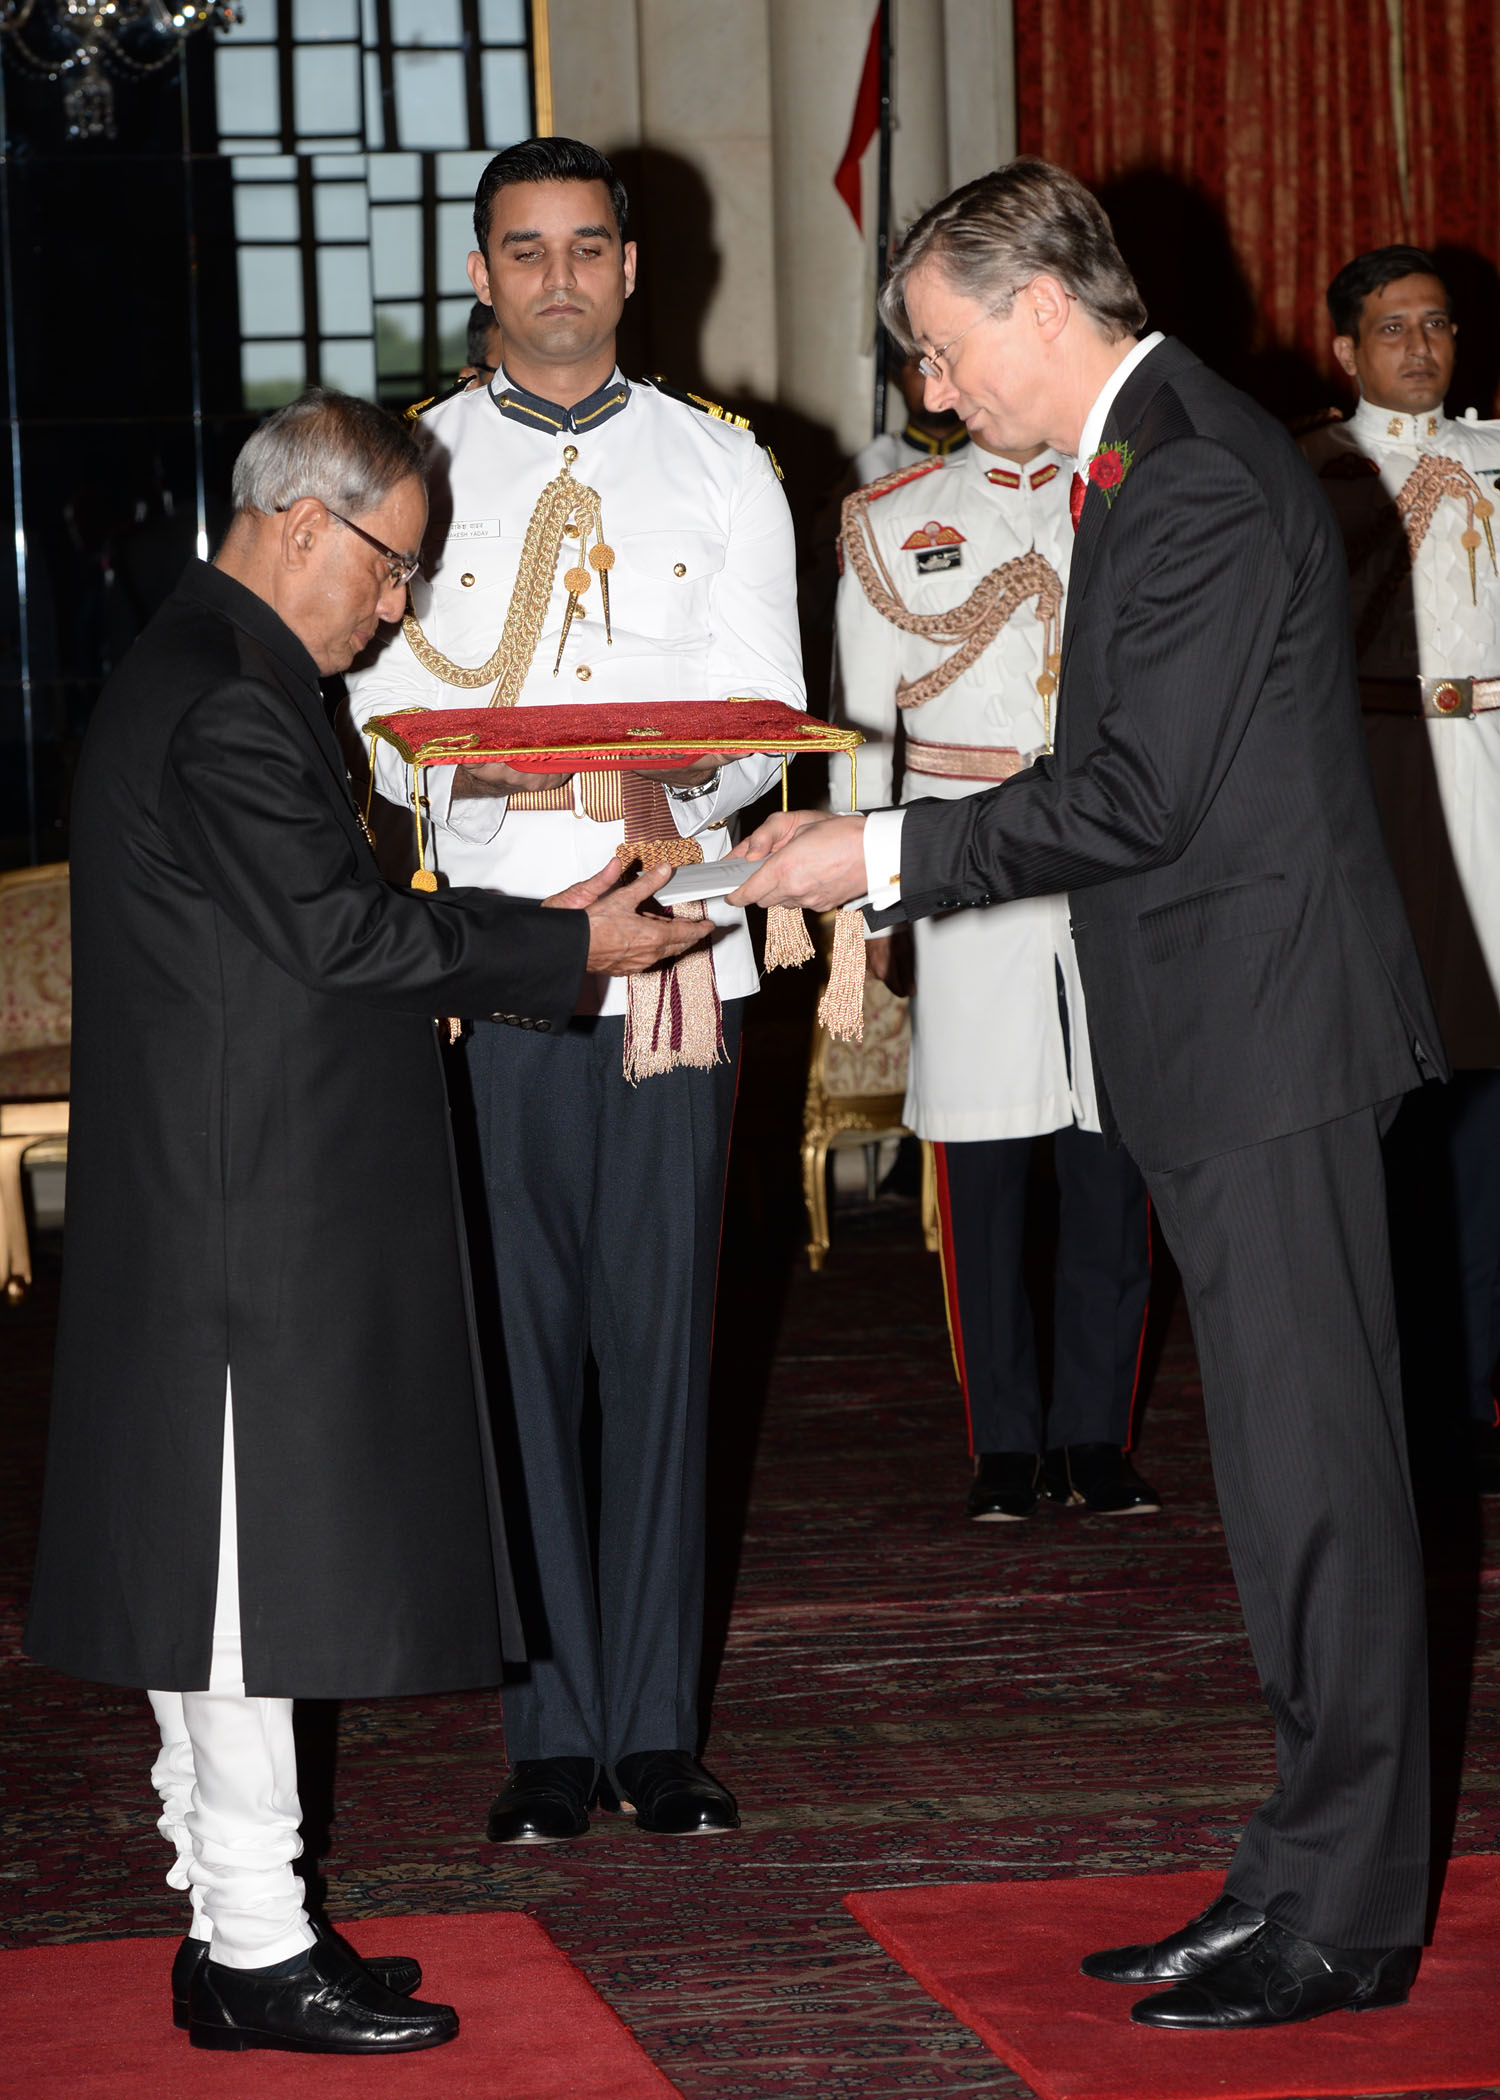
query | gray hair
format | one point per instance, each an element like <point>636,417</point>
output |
<point>995,234</point>
<point>346,452</point>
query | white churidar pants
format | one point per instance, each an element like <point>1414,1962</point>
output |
<point>227,1777</point>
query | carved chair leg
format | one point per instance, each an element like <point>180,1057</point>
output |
<point>815,1196</point>
<point>15,1247</point>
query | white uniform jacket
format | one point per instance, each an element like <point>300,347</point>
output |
<point>702,601</point>
<point>1438,781</point>
<point>988,1054</point>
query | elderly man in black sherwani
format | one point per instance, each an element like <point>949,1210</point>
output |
<point>269,1474</point>
<point>1256,1006</point>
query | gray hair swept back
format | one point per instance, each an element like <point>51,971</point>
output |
<point>1021,221</point>
<point>346,452</point>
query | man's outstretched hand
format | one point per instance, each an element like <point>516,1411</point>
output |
<point>815,859</point>
<point>623,938</point>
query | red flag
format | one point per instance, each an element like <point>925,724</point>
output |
<point>865,124</point>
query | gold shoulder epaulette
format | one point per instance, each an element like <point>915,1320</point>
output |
<point>418,409</point>
<point>714,410</point>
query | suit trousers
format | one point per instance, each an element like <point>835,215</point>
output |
<point>604,1205</point>
<point>227,1779</point>
<point>1102,1285</point>
<point>1285,1263</point>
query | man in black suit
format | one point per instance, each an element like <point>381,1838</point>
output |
<point>1256,1007</point>
<point>269,1471</point>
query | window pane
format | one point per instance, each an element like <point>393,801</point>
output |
<point>502,21</point>
<point>327,80</point>
<point>394,175</point>
<point>272,373</point>
<point>430,105</point>
<point>246,83</point>
<point>374,104</point>
<point>458,174</point>
<point>339,166</point>
<point>398,340</point>
<point>247,146</point>
<point>507,97</point>
<point>266,167</point>
<point>426,22</point>
<point>455,244</point>
<point>344,290</point>
<point>340,213</point>
<point>266,211</point>
<point>259,20</point>
<point>396,251</point>
<point>453,333</point>
<point>350,366</point>
<point>270,291</point>
<point>314,19</point>
<point>371,24</point>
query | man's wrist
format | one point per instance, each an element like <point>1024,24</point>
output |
<point>696,794</point>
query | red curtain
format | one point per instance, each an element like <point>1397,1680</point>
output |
<point>1247,148</point>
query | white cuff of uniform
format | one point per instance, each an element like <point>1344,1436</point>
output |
<point>474,818</point>
<point>883,857</point>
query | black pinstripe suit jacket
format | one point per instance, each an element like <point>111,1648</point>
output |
<point>1244,951</point>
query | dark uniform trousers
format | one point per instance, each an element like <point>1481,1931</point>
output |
<point>1284,1259</point>
<point>604,1202</point>
<point>1102,1284</point>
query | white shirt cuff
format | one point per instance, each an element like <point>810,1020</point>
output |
<point>883,857</point>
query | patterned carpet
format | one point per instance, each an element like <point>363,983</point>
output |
<point>897,1695</point>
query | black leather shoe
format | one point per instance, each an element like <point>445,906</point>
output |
<point>672,1795</point>
<point>333,2007</point>
<point>544,1801</point>
<point>397,1972</point>
<point>1099,1477</point>
<point>1005,1487</point>
<point>1275,1978</point>
<point>1203,1943</point>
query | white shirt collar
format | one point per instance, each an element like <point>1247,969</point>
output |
<point>1391,426</point>
<point>1093,425</point>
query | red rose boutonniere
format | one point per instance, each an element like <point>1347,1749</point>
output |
<point>1108,468</point>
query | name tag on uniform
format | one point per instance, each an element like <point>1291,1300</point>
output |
<point>931,559</point>
<point>474,529</point>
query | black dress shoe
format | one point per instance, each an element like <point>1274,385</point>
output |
<point>1275,1978</point>
<point>1099,1477</point>
<point>1203,1943</point>
<point>332,2007</point>
<point>672,1795</point>
<point>1005,1487</point>
<point>398,1972</point>
<point>544,1801</point>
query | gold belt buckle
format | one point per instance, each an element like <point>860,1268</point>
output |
<point>1448,699</point>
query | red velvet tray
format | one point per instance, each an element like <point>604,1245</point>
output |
<point>603,738</point>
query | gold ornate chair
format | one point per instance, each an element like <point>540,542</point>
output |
<point>855,1095</point>
<point>36,1018</point>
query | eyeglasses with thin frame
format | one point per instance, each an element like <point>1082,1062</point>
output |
<point>930,364</point>
<point>399,567</point>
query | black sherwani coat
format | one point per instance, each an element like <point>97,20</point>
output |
<point>1254,996</point>
<point>260,1181</point>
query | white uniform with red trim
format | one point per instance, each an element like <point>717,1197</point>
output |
<point>988,1056</point>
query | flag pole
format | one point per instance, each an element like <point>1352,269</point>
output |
<point>883,214</point>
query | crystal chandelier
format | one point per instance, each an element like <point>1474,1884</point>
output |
<point>82,42</point>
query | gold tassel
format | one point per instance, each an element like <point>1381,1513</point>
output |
<point>842,1006</point>
<point>678,999</point>
<point>788,941</point>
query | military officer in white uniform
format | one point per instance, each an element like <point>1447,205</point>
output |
<point>1415,491</point>
<point>604,1196</point>
<point>965,661</point>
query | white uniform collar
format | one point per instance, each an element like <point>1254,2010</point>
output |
<point>1391,426</point>
<point>990,468</point>
<point>1092,433</point>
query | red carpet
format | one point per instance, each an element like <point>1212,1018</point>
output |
<point>532,2027</point>
<point>1003,1956</point>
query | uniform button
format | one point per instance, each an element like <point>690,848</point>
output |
<point>544,1027</point>
<point>571,528</point>
<point>467,582</point>
<point>584,673</point>
<point>679,568</point>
